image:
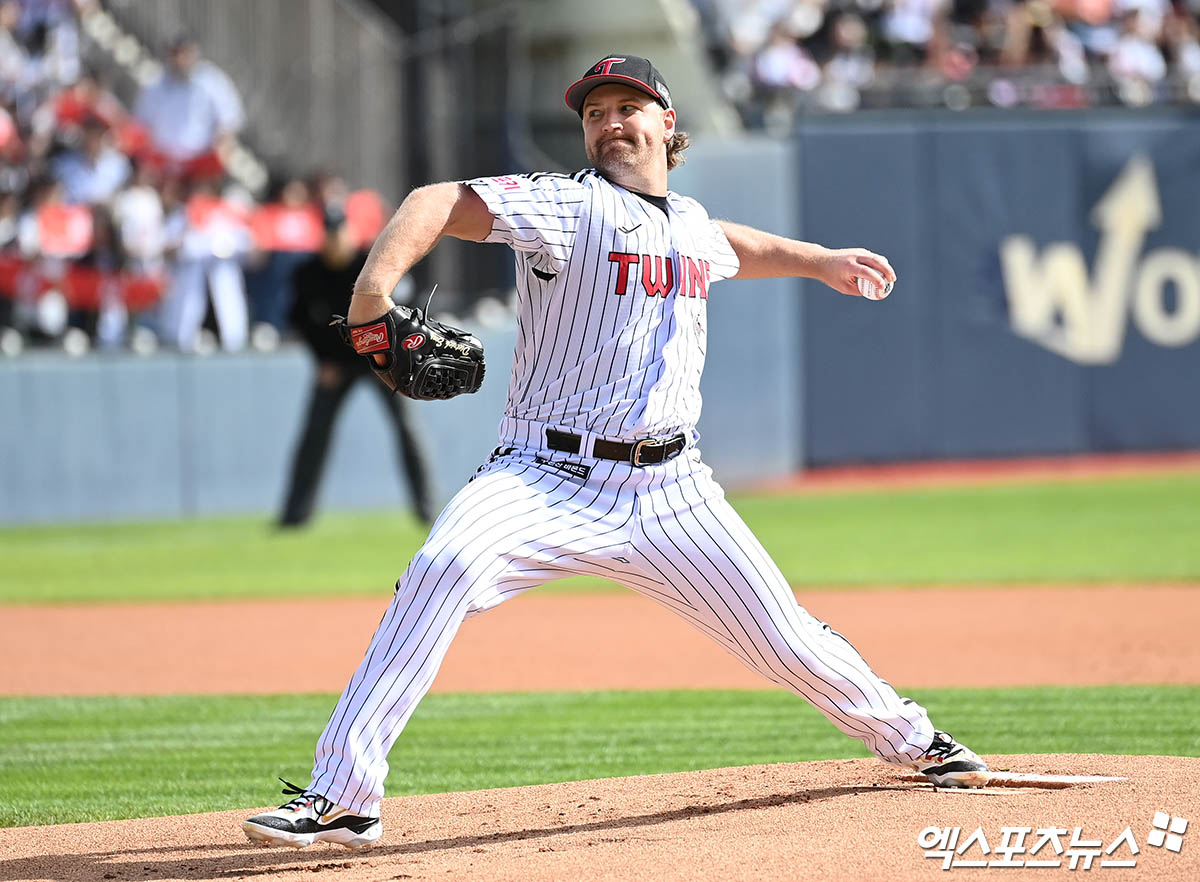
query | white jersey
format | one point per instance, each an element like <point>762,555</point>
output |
<point>611,296</point>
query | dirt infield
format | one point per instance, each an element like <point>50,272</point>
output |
<point>940,473</point>
<point>1008,637</point>
<point>840,820</point>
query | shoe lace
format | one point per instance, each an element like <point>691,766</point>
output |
<point>943,746</point>
<point>303,798</point>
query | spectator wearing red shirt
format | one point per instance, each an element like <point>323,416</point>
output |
<point>287,231</point>
<point>89,98</point>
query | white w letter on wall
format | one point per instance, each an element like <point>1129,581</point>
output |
<point>1051,299</point>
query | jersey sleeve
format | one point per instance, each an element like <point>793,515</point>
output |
<point>538,212</point>
<point>712,243</point>
<point>724,263</point>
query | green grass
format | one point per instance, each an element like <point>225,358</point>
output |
<point>1113,530</point>
<point>77,759</point>
<point>209,558</point>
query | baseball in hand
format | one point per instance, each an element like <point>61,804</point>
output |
<point>871,291</point>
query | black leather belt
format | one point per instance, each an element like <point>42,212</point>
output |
<point>649,451</point>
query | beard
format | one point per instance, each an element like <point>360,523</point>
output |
<point>616,156</point>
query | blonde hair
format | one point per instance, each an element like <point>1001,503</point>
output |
<point>675,147</point>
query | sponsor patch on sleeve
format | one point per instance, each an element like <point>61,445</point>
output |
<point>508,183</point>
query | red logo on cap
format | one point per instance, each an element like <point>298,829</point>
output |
<point>607,65</point>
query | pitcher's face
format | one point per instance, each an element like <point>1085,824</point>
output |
<point>625,130</point>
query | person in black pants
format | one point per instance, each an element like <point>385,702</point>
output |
<point>322,287</point>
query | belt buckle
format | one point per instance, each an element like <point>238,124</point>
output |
<point>659,443</point>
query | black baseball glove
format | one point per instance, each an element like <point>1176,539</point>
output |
<point>425,360</point>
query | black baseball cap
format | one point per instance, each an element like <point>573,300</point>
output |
<point>628,70</point>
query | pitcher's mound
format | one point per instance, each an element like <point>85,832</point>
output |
<point>843,819</point>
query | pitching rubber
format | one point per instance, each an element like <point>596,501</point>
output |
<point>1025,779</point>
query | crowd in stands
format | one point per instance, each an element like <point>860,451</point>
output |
<point>781,57</point>
<point>119,226</point>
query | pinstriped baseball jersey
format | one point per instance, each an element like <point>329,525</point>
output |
<point>611,297</point>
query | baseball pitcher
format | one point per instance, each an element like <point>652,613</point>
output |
<point>597,471</point>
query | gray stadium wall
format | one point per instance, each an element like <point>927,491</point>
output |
<point>123,437</point>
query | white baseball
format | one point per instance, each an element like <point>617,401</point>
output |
<point>871,291</point>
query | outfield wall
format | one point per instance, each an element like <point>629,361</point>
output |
<point>126,437</point>
<point>1049,286</point>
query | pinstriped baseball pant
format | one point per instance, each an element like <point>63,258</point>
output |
<point>666,531</point>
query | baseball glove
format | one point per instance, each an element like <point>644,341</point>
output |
<point>425,359</point>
